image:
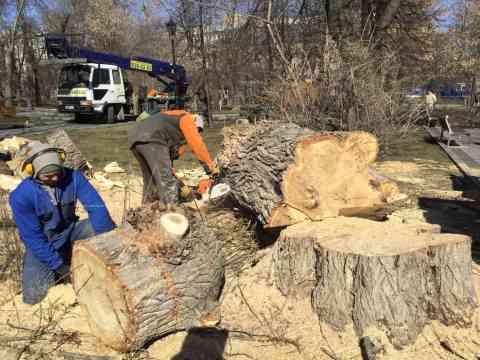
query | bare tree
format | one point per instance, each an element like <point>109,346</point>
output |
<point>20,6</point>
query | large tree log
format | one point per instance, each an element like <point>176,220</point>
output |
<point>393,276</point>
<point>286,174</point>
<point>139,285</point>
<point>74,157</point>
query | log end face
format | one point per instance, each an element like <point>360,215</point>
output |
<point>363,144</point>
<point>102,296</point>
<point>175,224</point>
<point>330,175</point>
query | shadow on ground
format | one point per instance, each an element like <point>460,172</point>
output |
<point>457,216</point>
<point>203,344</point>
<point>96,120</point>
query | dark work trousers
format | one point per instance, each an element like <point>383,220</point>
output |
<point>159,183</point>
<point>37,278</point>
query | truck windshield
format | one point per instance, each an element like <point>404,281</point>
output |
<point>74,76</point>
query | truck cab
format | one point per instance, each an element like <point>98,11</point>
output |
<point>92,89</point>
<point>94,83</point>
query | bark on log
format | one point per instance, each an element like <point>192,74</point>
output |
<point>138,286</point>
<point>393,276</point>
<point>286,174</point>
<point>74,158</point>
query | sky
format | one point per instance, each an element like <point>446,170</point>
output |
<point>165,8</point>
<point>448,18</point>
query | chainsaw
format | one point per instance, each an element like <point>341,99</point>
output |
<point>210,190</point>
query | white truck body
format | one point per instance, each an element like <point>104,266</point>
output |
<point>91,89</point>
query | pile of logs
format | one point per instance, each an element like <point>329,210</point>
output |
<point>164,272</point>
<point>389,275</point>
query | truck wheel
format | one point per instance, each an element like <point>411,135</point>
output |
<point>110,115</point>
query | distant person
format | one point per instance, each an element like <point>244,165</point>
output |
<point>142,97</point>
<point>44,210</point>
<point>84,78</point>
<point>160,139</point>
<point>430,101</point>
<point>152,93</point>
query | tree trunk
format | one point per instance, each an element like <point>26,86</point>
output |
<point>393,276</point>
<point>10,74</point>
<point>36,84</point>
<point>206,78</point>
<point>333,11</point>
<point>137,286</point>
<point>286,174</point>
<point>29,64</point>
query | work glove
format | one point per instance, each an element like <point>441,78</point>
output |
<point>204,185</point>
<point>214,170</point>
<point>185,192</point>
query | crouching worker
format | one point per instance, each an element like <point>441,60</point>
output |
<point>43,207</point>
<point>160,139</point>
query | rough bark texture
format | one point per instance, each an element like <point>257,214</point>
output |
<point>393,276</point>
<point>74,158</point>
<point>286,174</point>
<point>136,287</point>
<point>250,166</point>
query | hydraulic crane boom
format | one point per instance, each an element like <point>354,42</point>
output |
<point>58,47</point>
<point>93,83</point>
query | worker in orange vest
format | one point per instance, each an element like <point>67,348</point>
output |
<point>160,139</point>
<point>152,93</point>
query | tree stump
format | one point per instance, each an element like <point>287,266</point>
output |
<point>138,285</point>
<point>393,276</point>
<point>286,174</point>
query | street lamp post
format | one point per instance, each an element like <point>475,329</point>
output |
<point>172,30</point>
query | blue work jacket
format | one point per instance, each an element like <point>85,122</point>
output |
<point>45,224</point>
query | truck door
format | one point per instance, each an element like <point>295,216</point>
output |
<point>102,89</point>
<point>118,85</point>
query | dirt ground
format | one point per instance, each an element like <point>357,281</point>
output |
<point>258,322</point>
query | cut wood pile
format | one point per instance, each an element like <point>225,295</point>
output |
<point>387,275</point>
<point>164,270</point>
<point>161,274</point>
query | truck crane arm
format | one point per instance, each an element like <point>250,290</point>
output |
<point>57,47</point>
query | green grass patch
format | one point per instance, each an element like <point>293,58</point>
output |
<point>416,145</point>
<point>103,145</point>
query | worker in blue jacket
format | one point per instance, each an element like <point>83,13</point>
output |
<point>43,207</point>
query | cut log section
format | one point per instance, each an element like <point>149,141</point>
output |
<point>175,225</point>
<point>286,174</point>
<point>136,286</point>
<point>74,158</point>
<point>388,275</point>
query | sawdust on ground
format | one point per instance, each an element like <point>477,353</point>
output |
<point>258,322</point>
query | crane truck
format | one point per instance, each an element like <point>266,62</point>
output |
<point>93,83</point>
